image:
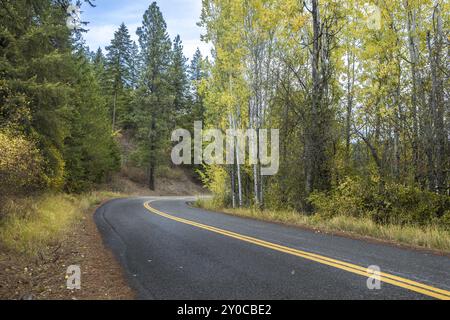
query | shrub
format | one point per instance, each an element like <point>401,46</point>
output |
<point>396,204</point>
<point>348,199</point>
<point>20,165</point>
<point>215,178</point>
<point>411,205</point>
<point>446,220</point>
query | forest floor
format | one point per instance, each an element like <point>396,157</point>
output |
<point>33,264</point>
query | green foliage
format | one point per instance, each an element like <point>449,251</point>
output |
<point>153,113</point>
<point>49,94</point>
<point>179,80</point>
<point>120,76</point>
<point>90,149</point>
<point>395,204</point>
<point>351,100</point>
<point>119,58</point>
<point>411,205</point>
<point>350,199</point>
<point>197,75</point>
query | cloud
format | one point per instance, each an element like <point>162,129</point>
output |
<point>190,46</point>
<point>99,36</point>
<point>181,18</point>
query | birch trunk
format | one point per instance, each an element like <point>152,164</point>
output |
<point>238,165</point>
<point>437,101</point>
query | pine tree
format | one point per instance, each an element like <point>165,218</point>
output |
<point>98,61</point>
<point>90,150</point>
<point>49,94</point>
<point>196,74</point>
<point>120,69</point>
<point>136,66</point>
<point>179,78</point>
<point>153,97</point>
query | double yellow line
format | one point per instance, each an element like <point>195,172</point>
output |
<point>385,277</point>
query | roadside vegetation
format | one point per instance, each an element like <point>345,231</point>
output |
<point>75,119</point>
<point>359,97</point>
<point>42,234</point>
<point>433,236</point>
<point>358,93</point>
<point>33,224</point>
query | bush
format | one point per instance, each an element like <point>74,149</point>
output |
<point>410,205</point>
<point>20,165</point>
<point>397,204</point>
<point>446,220</point>
<point>347,199</point>
<point>215,178</point>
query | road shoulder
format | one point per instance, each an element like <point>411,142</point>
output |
<point>44,278</point>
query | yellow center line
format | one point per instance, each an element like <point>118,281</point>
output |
<point>385,277</point>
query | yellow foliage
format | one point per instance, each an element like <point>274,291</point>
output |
<point>20,164</point>
<point>31,225</point>
<point>215,178</point>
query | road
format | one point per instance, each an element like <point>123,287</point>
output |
<point>170,250</point>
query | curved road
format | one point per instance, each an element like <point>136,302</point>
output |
<point>170,250</point>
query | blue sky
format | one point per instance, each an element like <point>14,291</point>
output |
<point>181,17</point>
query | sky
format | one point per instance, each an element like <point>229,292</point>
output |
<point>181,17</point>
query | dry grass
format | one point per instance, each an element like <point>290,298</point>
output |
<point>31,225</point>
<point>431,237</point>
<point>43,235</point>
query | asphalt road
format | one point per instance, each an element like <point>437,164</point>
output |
<point>170,250</point>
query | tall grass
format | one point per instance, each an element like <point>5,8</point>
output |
<point>31,225</point>
<point>429,237</point>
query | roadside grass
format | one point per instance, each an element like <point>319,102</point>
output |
<point>31,225</point>
<point>34,225</point>
<point>430,237</point>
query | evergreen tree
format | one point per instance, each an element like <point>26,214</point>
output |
<point>90,150</point>
<point>119,62</point>
<point>179,78</point>
<point>153,97</point>
<point>196,70</point>
<point>99,64</point>
<point>136,66</point>
<point>49,94</point>
<point>196,74</point>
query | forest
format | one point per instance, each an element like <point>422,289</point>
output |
<point>64,107</point>
<point>359,92</point>
<point>358,89</point>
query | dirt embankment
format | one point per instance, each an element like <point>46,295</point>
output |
<point>169,182</point>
